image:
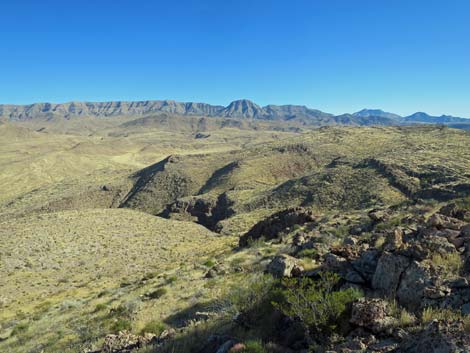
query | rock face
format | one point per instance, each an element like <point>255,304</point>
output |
<point>243,109</point>
<point>273,226</point>
<point>388,273</point>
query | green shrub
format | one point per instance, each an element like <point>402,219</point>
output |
<point>150,275</point>
<point>100,307</point>
<point>316,304</point>
<point>244,298</point>
<point>254,346</point>
<point>121,325</point>
<point>450,262</point>
<point>171,279</point>
<point>310,253</point>
<point>19,329</point>
<point>209,263</point>
<point>155,327</point>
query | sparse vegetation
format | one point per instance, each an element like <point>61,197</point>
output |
<point>155,327</point>
<point>317,304</point>
<point>74,268</point>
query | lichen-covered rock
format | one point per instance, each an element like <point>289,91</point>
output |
<point>366,264</point>
<point>388,273</point>
<point>413,282</point>
<point>284,266</point>
<point>394,240</point>
<point>372,314</point>
<point>438,337</point>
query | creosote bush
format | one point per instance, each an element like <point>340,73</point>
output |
<point>316,303</point>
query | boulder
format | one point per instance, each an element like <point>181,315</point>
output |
<point>284,266</point>
<point>366,263</point>
<point>388,273</point>
<point>378,215</point>
<point>413,282</point>
<point>372,314</point>
<point>394,240</point>
<point>465,231</point>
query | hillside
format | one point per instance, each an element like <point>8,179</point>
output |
<point>150,237</point>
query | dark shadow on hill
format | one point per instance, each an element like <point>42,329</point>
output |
<point>143,177</point>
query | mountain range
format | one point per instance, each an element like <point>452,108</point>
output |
<point>239,109</point>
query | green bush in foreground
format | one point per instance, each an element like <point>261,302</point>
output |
<point>316,304</point>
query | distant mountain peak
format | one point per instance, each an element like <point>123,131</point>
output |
<point>364,113</point>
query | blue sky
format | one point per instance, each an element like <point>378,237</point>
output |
<point>334,55</point>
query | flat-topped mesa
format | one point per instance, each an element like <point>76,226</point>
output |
<point>239,109</point>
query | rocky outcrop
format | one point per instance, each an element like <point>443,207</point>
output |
<point>275,225</point>
<point>438,337</point>
<point>126,342</point>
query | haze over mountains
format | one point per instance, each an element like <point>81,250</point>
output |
<point>239,109</point>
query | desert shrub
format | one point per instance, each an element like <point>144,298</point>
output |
<point>244,298</point>
<point>100,307</point>
<point>19,329</point>
<point>150,275</point>
<point>316,304</point>
<point>379,242</point>
<point>341,231</point>
<point>429,314</point>
<point>464,203</point>
<point>404,317</point>
<point>121,325</point>
<point>390,224</point>
<point>209,263</point>
<point>158,293</point>
<point>254,346</point>
<point>171,279</point>
<point>310,253</point>
<point>450,262</point>
<point>155,327</point>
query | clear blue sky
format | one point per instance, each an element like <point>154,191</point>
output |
<point>334,55</point>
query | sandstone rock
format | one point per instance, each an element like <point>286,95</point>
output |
<point>372,314</point>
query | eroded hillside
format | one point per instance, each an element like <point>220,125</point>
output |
<point>138,238</point>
